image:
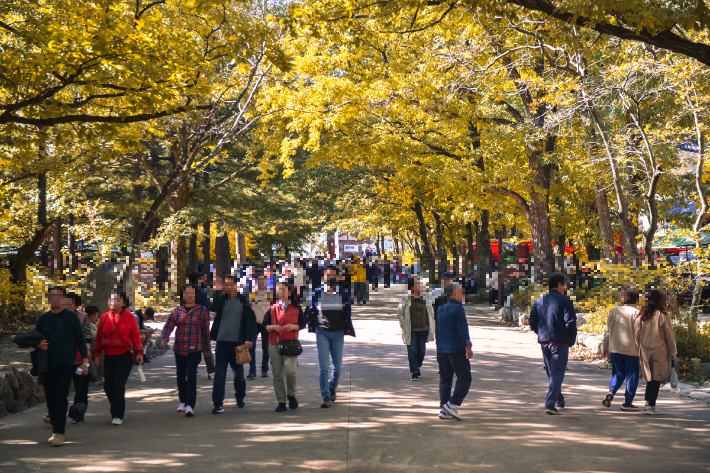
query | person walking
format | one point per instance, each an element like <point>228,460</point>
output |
<point>654,336</point>
<point>191,323</point>
<point>118,338</point>
<point>329,317</point>
<point>63,337</point>
<point>234,325</point>
<point>453,352</point>
<point>416,318</point>
<point>81,381</point>
<point>359,278</point>
<point>620,344</point>
<point>260,305</point>
<point>554,320</point>
<point>282,322</point>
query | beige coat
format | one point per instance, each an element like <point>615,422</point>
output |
<point>656,343</point>
<point>406,322</point>
<point>619,333</point>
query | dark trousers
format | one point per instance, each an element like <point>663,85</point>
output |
<point>625,367</point>
<point>555,356</point>
<point>360,291</point>
<point>386,281</point>
<point>186,366</point>
<point>225,354</point>
<point>450,364</point>
<point>652,388</point>
<point>56,390</point>
<point>416,350</point>
<point>264,350</point>
<point>493,297</point>
<point>81,387</point>
<point>117,368</point>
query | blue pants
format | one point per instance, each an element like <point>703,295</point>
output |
<point>416,350</point>
<point>329,343</point>
<point>555,356</point>
<point>225,353</point>
<point>261,329</point>
<point>450,364</point>
<point>186,366</point>
<point>625,367</point>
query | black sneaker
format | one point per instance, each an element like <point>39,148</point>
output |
<point>326,402</point>
<point>282,407</point>
<point>415,377</point>
<point>292,402</point>
<point>419,374</point>
<point>333,394</point>
<point>241,404</point>
<point>218,409</point>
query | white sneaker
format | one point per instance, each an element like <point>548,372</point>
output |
<point>444,415</point>
<point>653,411</point>
<point>210,375</point>
<point>116,421</point>
<point>189,412</point>
<point>181,407</point>
<point>452,410</point>
<point>199,372</point>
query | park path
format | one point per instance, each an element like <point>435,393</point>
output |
<point>381,421</point>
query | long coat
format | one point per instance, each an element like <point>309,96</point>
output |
<point>406,322</point>
<point>656,343</point>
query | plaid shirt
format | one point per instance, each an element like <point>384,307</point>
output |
<point>193,329</point>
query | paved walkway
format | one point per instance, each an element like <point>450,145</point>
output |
<point>381,421</point>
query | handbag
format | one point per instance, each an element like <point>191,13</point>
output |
<point>243,355</point>
<point>290,348</point>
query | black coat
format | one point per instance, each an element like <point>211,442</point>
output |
<point>249,329</point>
<point>40,358</point>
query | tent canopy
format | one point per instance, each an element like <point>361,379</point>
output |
<point>512,247</point>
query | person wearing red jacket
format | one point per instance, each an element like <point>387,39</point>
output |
<point>283,321</point>
<point>117,336</point>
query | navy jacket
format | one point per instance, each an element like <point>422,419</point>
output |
<point>452,328</point>
<point>553,319</point>
<point>312,311</point>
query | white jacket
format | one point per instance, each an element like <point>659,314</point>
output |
<point>406,322</point>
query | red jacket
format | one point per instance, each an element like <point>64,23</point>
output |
<point>117,335</point>
<point>277,316</point>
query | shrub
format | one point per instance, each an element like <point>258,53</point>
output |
<point>15,314</point>
<point>692,338</point>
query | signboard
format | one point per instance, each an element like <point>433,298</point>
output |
<point>350,248</point>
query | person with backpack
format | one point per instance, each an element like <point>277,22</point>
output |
<point>283,322</point>
<point>118,338</point>
<point>654,336</point>
<point>620,344</point>
<point>191,323</point>
<point>416,318</point>
<point>329,317</point>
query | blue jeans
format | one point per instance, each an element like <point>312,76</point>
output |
<point>450,364</point>
<point>329,343</point>
<point>625,367</point>
<point>225,353</point>
<point>416,350</point>
<point>186,366</point>
<point>261,329</point>
<point>555,356</point>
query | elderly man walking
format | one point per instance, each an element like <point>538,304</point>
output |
<point>554,321</point>
<point>453,347</point>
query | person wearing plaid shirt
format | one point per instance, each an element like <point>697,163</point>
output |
<point>192,324</point>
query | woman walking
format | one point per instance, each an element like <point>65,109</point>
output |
<point>620,343</point>
<point>416,317</point>
<point>656,342</point>
<point>192,322</point>
<point>283,321</point>
<point>118,338</point>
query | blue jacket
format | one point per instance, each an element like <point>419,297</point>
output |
<point>452,328</point>
<point>553,319</point>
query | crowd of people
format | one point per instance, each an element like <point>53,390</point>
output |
<point>277,302</point>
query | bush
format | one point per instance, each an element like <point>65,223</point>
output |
<point>15,314</point>
<point>596,319</point>
<point>692,338</point>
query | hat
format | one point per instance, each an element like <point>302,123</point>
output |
<point>447,275</point>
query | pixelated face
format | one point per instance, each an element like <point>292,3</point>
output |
<point>115,302</point>
<point>56,299</point>
<point>189,295</point>
<point>282,292</point>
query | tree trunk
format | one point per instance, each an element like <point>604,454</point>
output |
<point>377,244</point>
<point>192,252</point>
<point>218,256</point>
<point>226,255</point>
<point>455,256</point>
<point>440,248</point>
<point>484,253</point>
<point>468,255</point>
<point>71,245</point>
<point>605,230</point>
<point>428,257</point>
<point>702,214</point>
<point>178,258</point>
<point>206,252</point>
<point>57,250</point>
<point>241,243</point>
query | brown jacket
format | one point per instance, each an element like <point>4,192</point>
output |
<point>619,333</point>
<point>656,344</point>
